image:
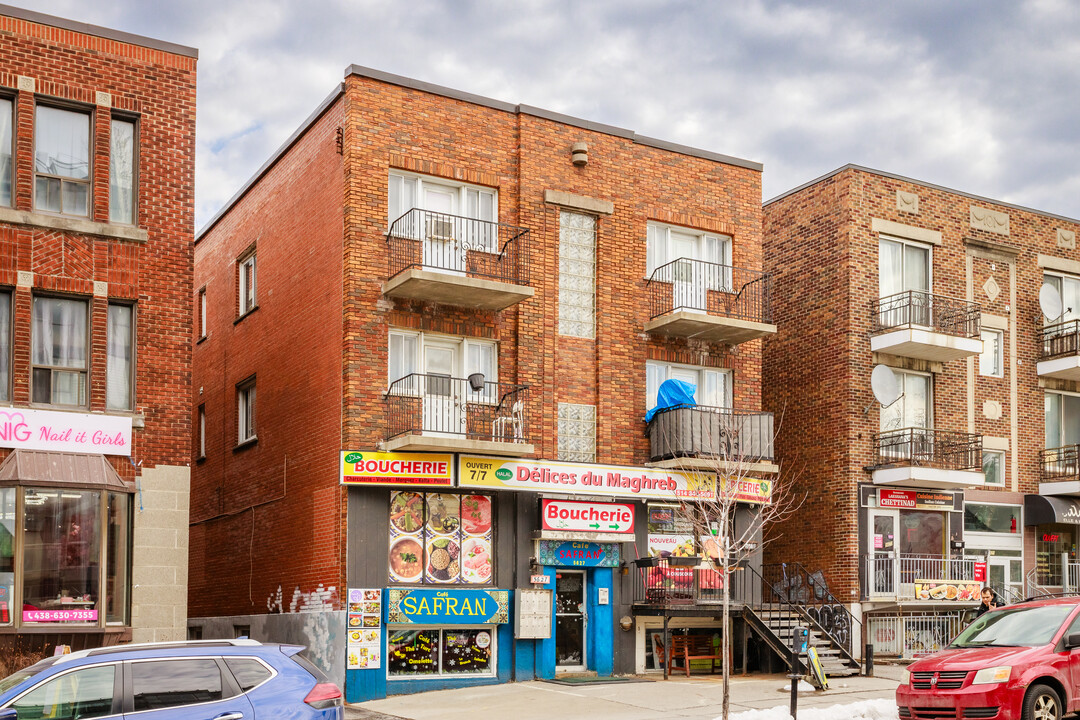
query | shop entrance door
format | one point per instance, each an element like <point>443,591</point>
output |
<point>882,562</point>
<point>1006,575</point>
<point>571,620</point>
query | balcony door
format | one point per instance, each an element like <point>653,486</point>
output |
<point>442,249</point>
<point>904,267</point>
<point>443,407</point>
<point>690,288</point>
<point>882,544</point>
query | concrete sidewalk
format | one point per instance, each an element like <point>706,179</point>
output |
<point>696,698</point>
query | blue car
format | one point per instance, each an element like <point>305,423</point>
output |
<point>198,680</point>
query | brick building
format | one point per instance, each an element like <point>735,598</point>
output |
<point>97,131</point>
<point>454,309</point>
<point>928,396</point>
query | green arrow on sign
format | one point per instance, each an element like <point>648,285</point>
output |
<point>614,527</point>
<point>595,526</point>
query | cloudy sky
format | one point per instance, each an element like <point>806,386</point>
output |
<point>977,95</point>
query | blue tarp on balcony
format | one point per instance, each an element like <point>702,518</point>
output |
<point>673,394</point>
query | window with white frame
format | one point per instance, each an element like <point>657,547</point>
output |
<point>59,351</point>
<point>1068,289</point>
<point>202,313</point>
<point>991,361</point>
<point>201,433</point>
<point>122,171</point>
<point>577,275</point>
<point>245,411</point>
<point>61,160</point>
<point>247,282</point>
<point>120,366</point>
<point>577,432</point>
<point>994,467</point>
<point>902,265</point>
<point>7,167</point>
<point>442,204</point>
<point>412,353</point>
<point>667,243</point>
<point>713,386</point>
<point>914,408</point>
<point>1062,413</point>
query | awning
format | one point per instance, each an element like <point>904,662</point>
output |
<point>40,468</point>
<point>1044,509</point>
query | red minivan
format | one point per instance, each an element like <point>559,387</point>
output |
<point>1021,662</point>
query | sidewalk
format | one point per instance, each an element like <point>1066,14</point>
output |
<point>696,698</point>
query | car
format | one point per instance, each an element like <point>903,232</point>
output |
<point>1019,662</point>
<point>237,679</point>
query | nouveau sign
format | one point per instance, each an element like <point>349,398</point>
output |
<point>587,516</point>
<point>452,606</point>
<point>28,429</point>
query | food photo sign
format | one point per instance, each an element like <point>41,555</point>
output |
<point>440,538</point>
<point>946,590</point>
<point>364,631</point>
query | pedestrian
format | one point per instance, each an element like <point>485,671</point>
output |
<point>989,602</point>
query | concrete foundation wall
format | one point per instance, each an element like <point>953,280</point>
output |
<point>159,572</point>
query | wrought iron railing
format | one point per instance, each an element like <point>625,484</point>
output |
<point>442,405</point>
<point>1060,340</point>
<point>711,431</point>
<point>456,244</point>
<point>711,288</point>
<point>809,592</point>
<point>946,315</point>
<point>921,577</point>
<point>944,449</point>
<point>1060,462</point>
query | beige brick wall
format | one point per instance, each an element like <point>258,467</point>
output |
<point>159,561</point>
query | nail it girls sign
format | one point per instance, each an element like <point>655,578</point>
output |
<point>29,429</point>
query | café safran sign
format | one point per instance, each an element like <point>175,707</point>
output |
<point>27,429</point>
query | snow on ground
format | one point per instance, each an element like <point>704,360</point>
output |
<point>883,709</point>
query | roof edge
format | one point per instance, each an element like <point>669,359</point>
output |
<point>97,31</point>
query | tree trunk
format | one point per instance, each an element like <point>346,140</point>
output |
<point>725,623</point>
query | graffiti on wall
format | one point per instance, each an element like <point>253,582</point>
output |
<point>321,599</point>
<point>835,620</point>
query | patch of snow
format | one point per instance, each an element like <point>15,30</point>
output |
<point>881,709</point>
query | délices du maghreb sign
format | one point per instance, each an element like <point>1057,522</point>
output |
<point>27,429</point>
<point>583,479</point>
<point>579,516</point>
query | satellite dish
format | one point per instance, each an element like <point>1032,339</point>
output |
<point>1050,302</point>
<point>883,383</point>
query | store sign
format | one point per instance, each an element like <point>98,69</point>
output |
<point>575,553</point>
<point>581,479</point>
<point>456,606</point>
<point>412,469</point>
<point>946,590</point>
<point>915,499</point>
<point>980,572</point>
<point>1051,537</point>
<point>73,615</point>
<point>748,490</point>
<point>28,429</point>
<point>587,516</point>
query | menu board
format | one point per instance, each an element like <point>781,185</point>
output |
<point>440,538</point>
<point>364,631</point>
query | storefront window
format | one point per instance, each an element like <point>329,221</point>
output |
<point>61,554</point>
<point>1051,542</point>
<point>991,518</point>
<point>922,533</point>
<point>440,538</point>
<point>118,560</point>
<point>450,651</point>
<point>7,554</point>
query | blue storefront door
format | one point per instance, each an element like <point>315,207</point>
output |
<point>571,619</point>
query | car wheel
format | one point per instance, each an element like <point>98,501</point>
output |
<point>1042,703</point>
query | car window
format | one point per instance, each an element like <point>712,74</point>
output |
<point>169,683</point>
<point>247,671</point>
<point>17,677</point>
<point>1074,626</point>
<point>84,693</point>
<point>1014,627</point>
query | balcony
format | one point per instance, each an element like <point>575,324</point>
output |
<point>662,582</point>
<point>921,457</point>
<point>1059,356</point>
<point>1059,471</point>
<point>436,413</point>
<point>925,578</point>
<point>701,437</point>
<point>719,303</point>
<point>454,260</point>
<point>916,324</point>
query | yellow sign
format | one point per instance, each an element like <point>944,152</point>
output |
<point>413,469</point>
<point>748,490</point>
<point>583,479</point>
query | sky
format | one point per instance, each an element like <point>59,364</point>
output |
<point>980,96</point>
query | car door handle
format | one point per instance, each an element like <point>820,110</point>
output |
<point>230,716</point>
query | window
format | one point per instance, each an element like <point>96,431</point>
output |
<point>194,632</point>
<point>247,283</point>
<point>442,204</point>
<point>1062,412</point>
<point>241,631</point>
<point>61,161</point>
<point>577,433</point>
<point>119,376</point>
<point>61,554</point>
<point>408,354</point>
<point>914,409</point>
<point>118,558</point>
<point>245,411</point>
<point>441,539</point>
<point>122,172</point>
<point>7,554</point>
<point>1068,289</point>
<point>7,167</point>
<point>666,244</point>
<point>980,517</point>
<point>249,672</point>
<point>991,362</point>
<point>435,651</point>
<point>713,386</point>
<point>59,351</point>
<point>202,313</point>
<point>160,684</point>
<point>5,347</point>
<point>577,275</point>
<point>1050,544</point>
<point>82,693</point>
<point>902,266</point>
<point>200,448</point>
<point>994,467</point>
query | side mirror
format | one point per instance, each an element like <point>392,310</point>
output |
<point>1072,640</point>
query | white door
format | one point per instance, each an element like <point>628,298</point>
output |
<point>690,287</point>
<point>442,249</point>
<point>443,412</point>
<point>882,564</point>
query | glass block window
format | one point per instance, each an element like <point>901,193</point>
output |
<point>577,432</point>
<point>577,275</point>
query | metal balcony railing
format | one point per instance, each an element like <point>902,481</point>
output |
<point>711,288</point>
<point>711,431</point>
<point>925,447</point>
<point>921,577</point>
<point>1060,340</point>
<point>456,244</point>
<point>1060,463</point>
<point>661,581</point>
<point>442,405</point>
<point>946,315</point>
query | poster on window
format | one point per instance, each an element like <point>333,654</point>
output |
<point>440,538</point>
<point>364,631</point>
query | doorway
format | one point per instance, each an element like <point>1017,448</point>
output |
<point>442,249</point>
<point>883,547</point>
<point>443,413</point>
<point>571,620</point>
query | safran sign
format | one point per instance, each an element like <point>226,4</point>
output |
<point>28,429</point>
<point>597,517</point>
<point>457,606</point>
<point>582,479</point>
<point>413,469</point>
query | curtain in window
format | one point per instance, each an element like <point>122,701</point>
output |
<point>5,346</point>
<point>916,268</point>
<point>122,172</point>
<point>1070,419</point>
<point>5,152</point>
<point>1052,412</point>
<point>1070,299</point>
<point>890,268</point>
<point>916,401</point>
<point>118,369</point>
<point>59,328</point>
<point>401,360</point>
<point>62,143</point>
<point>655,374</point>
<point>401,197</point>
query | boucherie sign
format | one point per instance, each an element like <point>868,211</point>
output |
<point>587,516</point>
<point>28,429</point>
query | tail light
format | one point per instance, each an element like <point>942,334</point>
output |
<point>324,695</point>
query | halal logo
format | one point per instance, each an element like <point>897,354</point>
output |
<point>354,457</point>
<point>504,474</point>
